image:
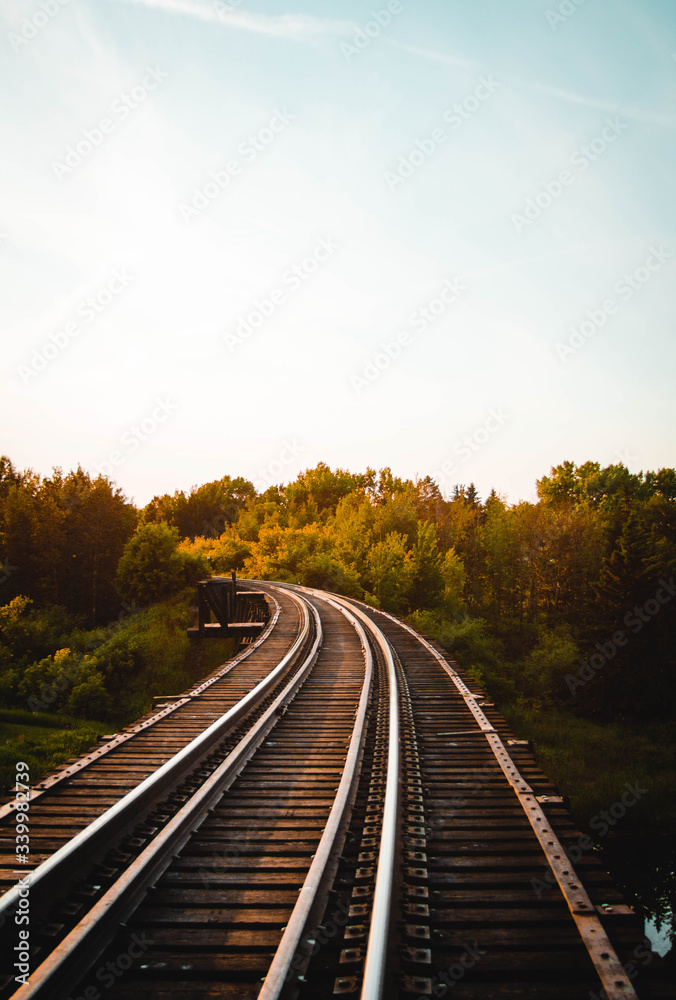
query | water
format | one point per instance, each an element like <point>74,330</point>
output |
<point>644,869</point>
<point>660,934</point>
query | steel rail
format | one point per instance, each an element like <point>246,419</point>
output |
<point>73,957</point>
<point>291,943</point>
<point>86,846</point>
<point>609,968</point>
<point>373,981</point>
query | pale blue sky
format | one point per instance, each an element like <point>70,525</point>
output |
<point>152,383</point>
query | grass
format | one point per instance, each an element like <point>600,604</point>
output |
<point>171,662</point>
<point>42,741</point>
<point>593,762</point>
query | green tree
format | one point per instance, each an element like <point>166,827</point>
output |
<point>321,489</point>
<point>206,511</point>
<point>427,580</point>
<point>453,576</point>
<point>63,537</point>
<point>97,523</point>
<point>390,572</point>
<point>152,568</point>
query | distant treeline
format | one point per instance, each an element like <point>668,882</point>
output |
<point>569,600</point>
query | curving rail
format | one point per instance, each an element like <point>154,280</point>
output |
<point>63,968</point>
<point>329,780</point>
<point>614,979</point>
<point>379,932</point>
<point>283,963</point>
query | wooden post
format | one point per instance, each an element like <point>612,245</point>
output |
<point>204,614</point>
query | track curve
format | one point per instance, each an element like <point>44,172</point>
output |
<point>346,815</point>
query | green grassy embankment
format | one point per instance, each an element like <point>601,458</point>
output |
<point>165,662</point>
<point>594,762</point>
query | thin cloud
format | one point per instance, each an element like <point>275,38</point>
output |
<point>613,107</point>
<point>652,117</point>
<point>442,57</point>
<point>298,27</point>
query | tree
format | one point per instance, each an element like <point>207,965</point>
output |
<point>206,511</point>
<point>569,484</point>
<point>63,537</point>
<point>453,576</point>
<point>427,581</point>
<point>151,567</point>
<point>390,572</point>
<point>97,522</point>
<point>321,488</point>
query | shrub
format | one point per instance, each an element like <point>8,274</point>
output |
<point>90,700</point>
<point>118,660</point>
<point>47,683</point>
<point>30,633</point>
<point>546,666</point>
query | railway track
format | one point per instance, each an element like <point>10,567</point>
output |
<point>337,811</point>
